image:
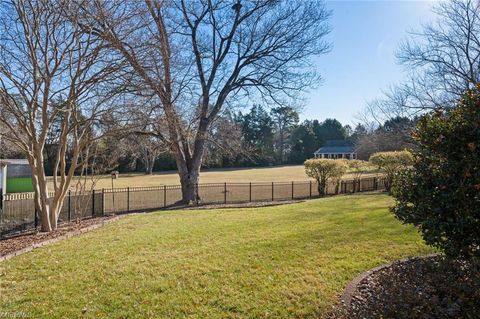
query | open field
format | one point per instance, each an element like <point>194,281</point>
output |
<point>236,175</point>
<point>288,261</point>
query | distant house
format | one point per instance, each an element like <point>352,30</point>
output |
<point>15,176</point>
<point>334,149</point>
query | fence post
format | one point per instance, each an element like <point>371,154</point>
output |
<point>310,189</point>
<point>1,211</point>
<point>196,194</point>
<point>292,190</point>
<point>273,197</point>
<point>69,205</point>
<point>164,195</point>
<point>93,203</point>
<point>103,201</point>
<point>250,193</point>
<point>128,199</point>
<point>35,218</point>
<point>225,193</point>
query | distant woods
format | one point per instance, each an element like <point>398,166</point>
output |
<point>258,136</point>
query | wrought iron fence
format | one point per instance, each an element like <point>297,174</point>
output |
<point>18,210</point>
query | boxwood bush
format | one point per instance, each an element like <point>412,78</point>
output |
<point>440,194</point>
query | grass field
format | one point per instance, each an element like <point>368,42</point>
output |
<point>238,175</point>
<point>288,261</point>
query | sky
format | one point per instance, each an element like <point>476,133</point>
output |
<point>365,36</point>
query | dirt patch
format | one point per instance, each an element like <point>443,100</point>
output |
<point>10,245</point>
<point>430,287</point>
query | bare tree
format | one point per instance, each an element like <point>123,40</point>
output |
<point>147,137</point>
<point>7,148</point>
<point>225,144</point>
<point>249,48</point>
<point>444,58</point>
<point>285,118</point>
<point>52,76</point>
<point>392,135</point>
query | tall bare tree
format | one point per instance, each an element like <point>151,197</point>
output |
<point>443,58</point>
<point>198,57</point>
<point>442,61</point>
<point>225,143</point>
<point>285,118</point>
<point>53,76</point>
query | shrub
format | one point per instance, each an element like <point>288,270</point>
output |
<point>357,168</point>
<point>391,163</point>
<point>324,170</point>
<point>440,194</point>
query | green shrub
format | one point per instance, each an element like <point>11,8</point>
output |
<point>391,163</point>
<point>440,194</point>
<point>357,168</point>
<point>324,170</point>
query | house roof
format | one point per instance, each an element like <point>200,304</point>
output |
<point>335,150</point>
<point>4,162</point>
<point>336,147</point>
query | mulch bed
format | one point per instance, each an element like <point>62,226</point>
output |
<point>431,287</point>
<point>13,244</point>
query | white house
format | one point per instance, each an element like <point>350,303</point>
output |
<point>335,149</point>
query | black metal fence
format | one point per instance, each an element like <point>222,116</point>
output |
<point>18,210</point>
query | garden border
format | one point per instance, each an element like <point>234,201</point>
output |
<point>352,287</point>
<point>59,238</point>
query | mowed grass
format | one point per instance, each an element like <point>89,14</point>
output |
<point>234,175</point>
<point>289,261</point>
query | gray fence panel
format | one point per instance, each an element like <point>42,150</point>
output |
<point>212,193</point>
<point>147,198</point>
<point>238,192</point>
<point>173,195</point>
<point>302,190</point>
<point>262,192</point>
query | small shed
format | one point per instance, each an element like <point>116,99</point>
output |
<point>336,149</point>
<point>15,176</point>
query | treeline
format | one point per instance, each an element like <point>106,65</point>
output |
<point>257,137</point>
<point>276,137</point>
<point>253,137</point>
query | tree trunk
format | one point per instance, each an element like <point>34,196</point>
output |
<point>41,209</point>
<point>388,183</point>
<point>149,164</point>
<point>42,204</point>
<point>189,163</point>
<point>150,167</point>
<point>189,182</point>
<point>146,162</point>
<point>48,209</point>
<point>281,145</point>
<point>321,188</point>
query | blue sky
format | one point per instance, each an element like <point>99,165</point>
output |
<point>365,36</point>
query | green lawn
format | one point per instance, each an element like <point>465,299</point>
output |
<point>288,261</point>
